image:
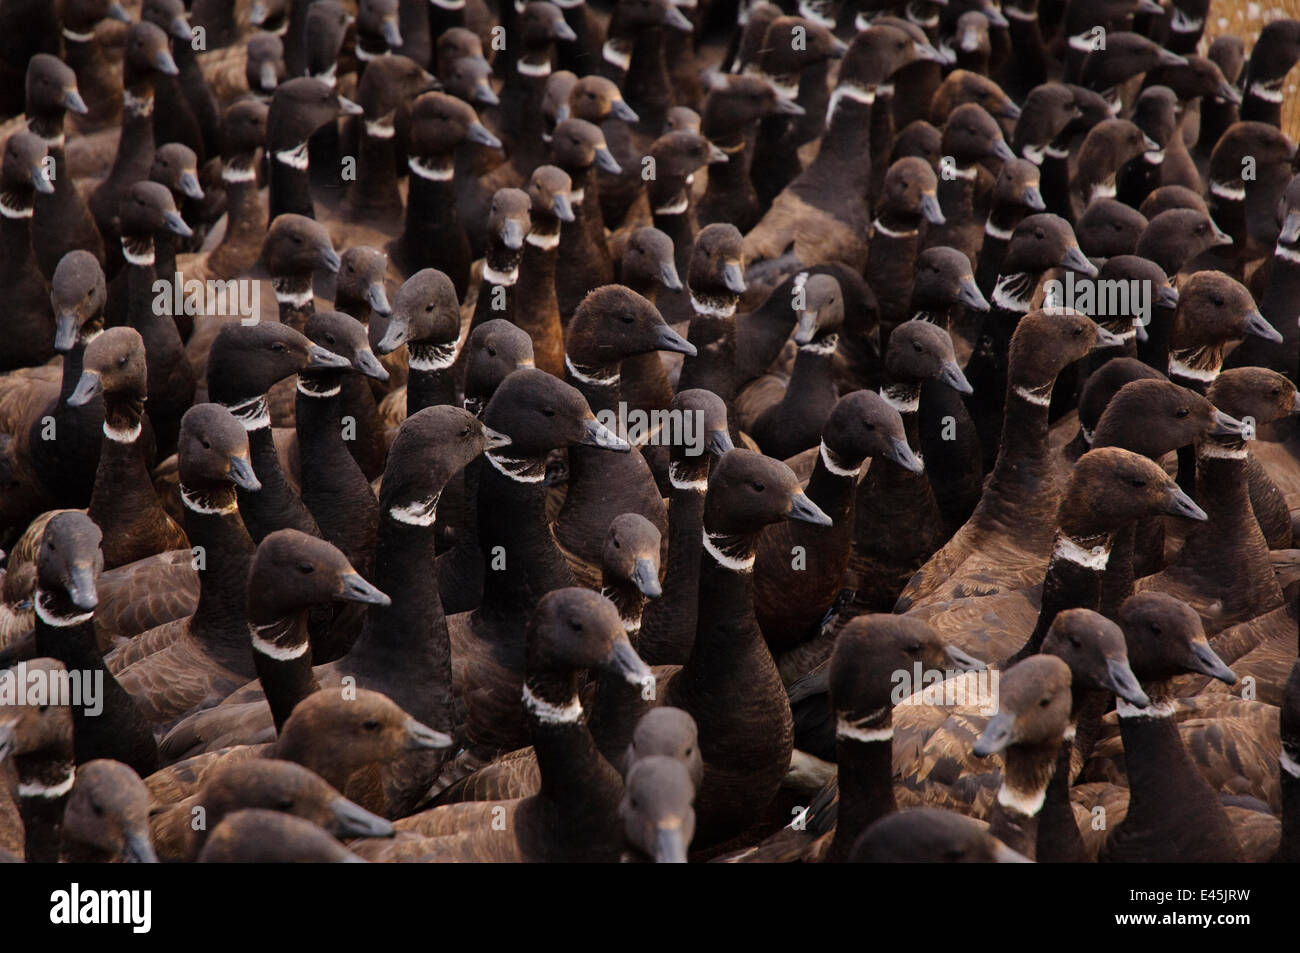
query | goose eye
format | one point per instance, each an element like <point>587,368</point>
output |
<point>916,346</point>
<point>1217,301</point>
<point>1078,330</point>
<point>617,544</point>
<point>465,431</point>
<point>286,804</point>
<point>1181,412</point>
<point>1155,627</point>
<point>98,809</point>
<point>306,568</point>
<point>758,487</point>
<point>1044,701</point>
<point>548,412</point>
<point>277,345</point>
<point>575,625</point>
<point>1076,643</point>
<point>1137,482</point>
<point>329,338</point>
<point>371,725</point>
<point>492,352</point>
<point>121,361</point>
<point>207,445</point>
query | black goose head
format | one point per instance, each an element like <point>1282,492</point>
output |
<point>648,260</point>
<point>678,155</point>
<point>212,450</point>
<point>389,83</point>
<point>1109,488</point>
<point>1047,111</point>
<point>682,119</point>
<point>1172,197</point>
<point>1125,56</point>
<point>630,554</point>
<point>1288,214</point>
<point>295,246</point>
<point>337,737</point>
<point>910,191</point>
<point>247,360</point>
<point>1276,50</point>
<point>658,809</point>
<point>748,491</point>
<point>264,69</point>
<point>148,54</point>
<point>495,349</point>
<point>108,813</point>
<point>576,629</point>
<point>292,572</point>
<point>169,16</point>
<point>1033,707</point>
<point>595,99</point>
<point>972,35</point>
<point>942,279</point>
<point>541,413</point>
<point>1041,242</point>
<point>1265,144</point>
<point>920,139</point>
<point>550,189</point>
<point>114,365</point>
<point>1108,228</point>
<point>1154,416</point>
<point>577,145</point>
<point>51,89</point>
<point>1092,108</point>
<point>1177,235</point>
<point>1105,382</point>
<point>270,784</point>
<point>667,732</point>
<point>1018,185</point>
<point>458,42</point>
<point>468,78</point>
<point>77,294</point>
<point>243,130</point>
<point>148,208</point>
<point>557,104</point>
<point>875,55</point>
<point>717,267</point>
<point>924,352</point>
<point>614,322</point>
<point>257,836</point>
<point>539,26</point>
<point>509,221</point>
<point>1257,393</point>
<point>440,124</point>
<point>863,425</point>
<point>961,87</point>
<point>793,44</point>
<point>868,654</point>
<point>735,100</point>
<point>1156,114</point>
<point>633,16</point>
<point>820,306</point>
<point>1047,342</point>
<point>300,106</point>
<point>1137,268</point>
<point>1214,309</point>
<point>972,135</point>
<point>1094,648</point>
<point>1166,639</point>
<point>1228,52</point>
<point>345,336</point>
<point>931,835</point>
<point>23,171</point>
<point>68,564</point>
<point>425,311</point>
<point>711,411</point>
<point>431,446</point>
<point>82,16</point>
<point>377,24</point>
<point>361,278</point>
<point>177,167</point>
<point>1108,146</point>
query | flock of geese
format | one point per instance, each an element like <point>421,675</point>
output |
<point>963,529</point>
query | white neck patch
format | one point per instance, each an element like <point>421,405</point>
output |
<point>851,92</point>
<point>1210,450</point>
<point>675,478</point>
<point>252,413</point>
<point>378,129</point>
<point>1155,157</point>
<point>9,210</point>
<point>419,513</point>
<point>137,105</point>
<point>1282,251</point>
<point>434,173</point>
<point>993,231</point>
<point>494,277</point>
<point>1094,558</point>
<point>900,402</point>
<point>1234,193</point>
<point>676,207</point>
<point>145,257</point>
<point>516,469</point>
<point>888,232</point>
<point>734,563</point>
<point>1024,803</point>
<point>267,647</point>
<point>1288,764</point>
<point>615,56</point>
<point>707,309</point>
<point>296,158</point>
<point>1033,154</point>
<point>46,615</point>
<point>543,241</point>
<point>1038,400</point>
<point>76,37</point>
<point>1177,366</point>
<point>309,391</point>
<point>1269,91</point>
<point>432,357</point>
<point>588,375</point>
<point>47,790</point>
<point>526,68</point>
<point>195,504</point>
<point>1004,298</point>
<point>124,435</point>
<point>833,464</point>
<point>236,173</point>
<point>853,730</point>
<point>549,713</point>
